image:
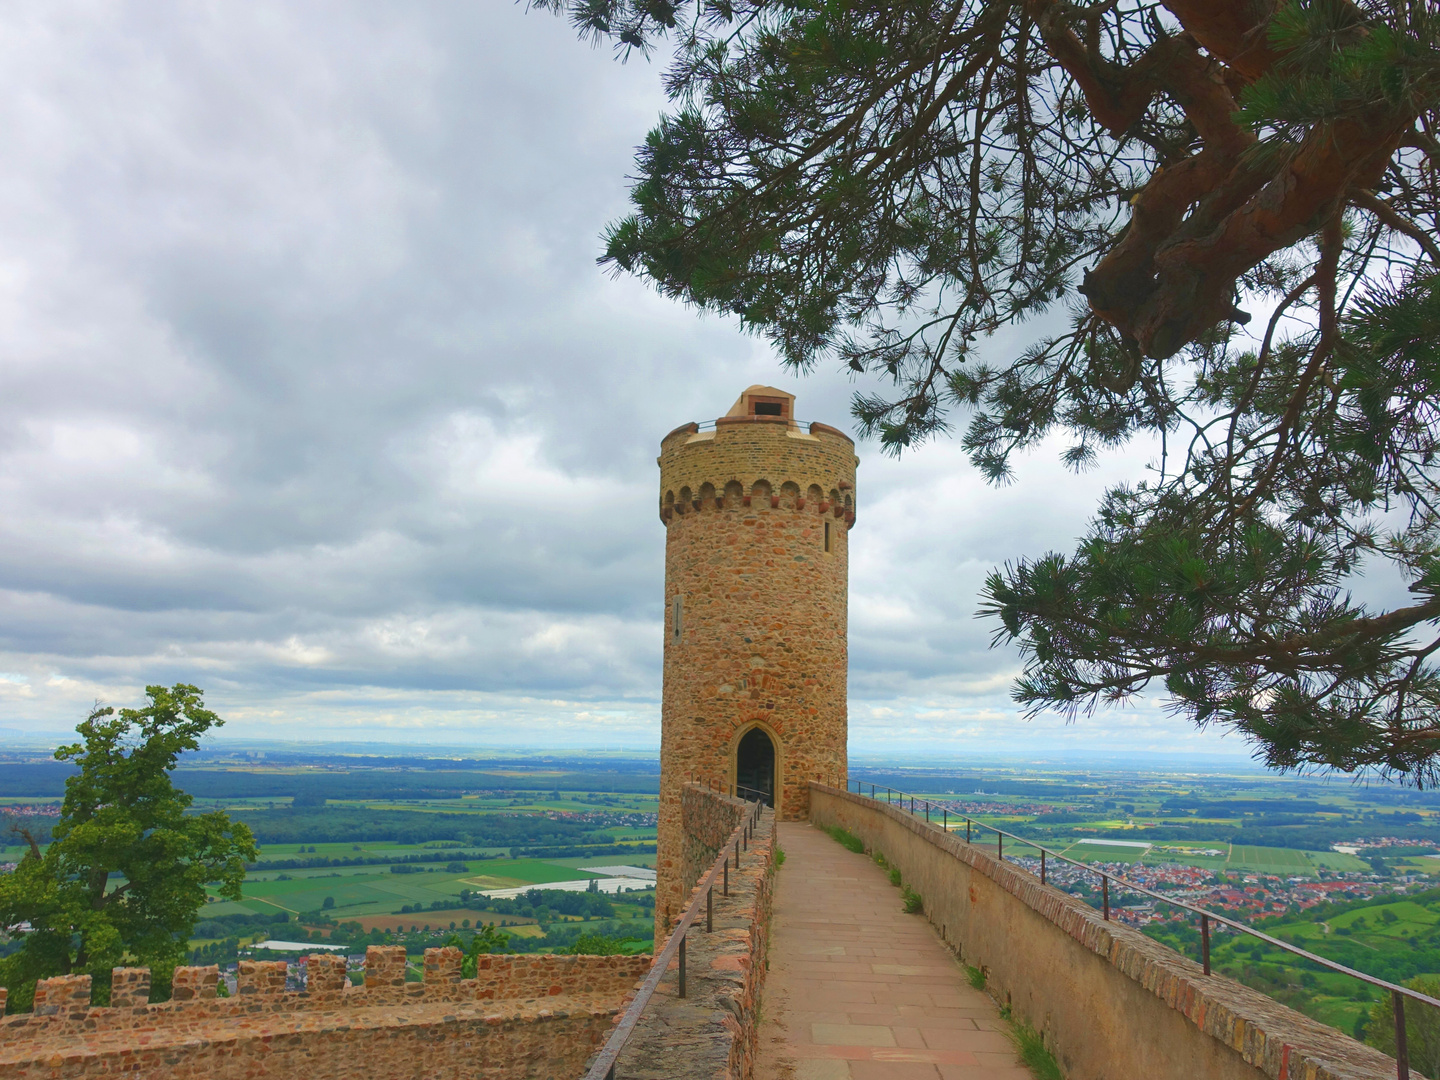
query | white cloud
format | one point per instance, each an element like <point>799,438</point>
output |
<point>311,393</point>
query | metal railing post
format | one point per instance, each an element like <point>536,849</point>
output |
<point>927,811</point>
<point>1205,943</point>
<point>710,910</point>
<point>1000,846</point>
<point>1402,1050</point>
<point>1042,866</point>
<point>967,830</point>
<point>945,818</point>
<point>682,965</point>
<point>1105,894</point>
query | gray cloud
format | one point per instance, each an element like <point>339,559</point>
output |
<point>311,393</point>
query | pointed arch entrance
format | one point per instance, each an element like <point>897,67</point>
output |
<point>755,766</point>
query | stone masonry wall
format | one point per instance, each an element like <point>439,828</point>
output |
<point>522,1016</point>
<point>710,1034</point>
<point>1110,1001</point>
<point>707,819</point>
<point>763,610</point>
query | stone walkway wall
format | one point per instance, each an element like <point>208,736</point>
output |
<point>711,1032</point>
<point>1110,1001</point>
<point>707,818</point>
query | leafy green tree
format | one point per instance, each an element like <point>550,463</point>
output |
<point>124,877</point>
<point>1422,1027</point>
<point>885,184</point>
<point>486,939</point>
<point>598,945</point>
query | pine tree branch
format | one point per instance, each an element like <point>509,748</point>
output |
<point>1401,224</point>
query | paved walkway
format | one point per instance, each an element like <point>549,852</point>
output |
<point>857,989</point>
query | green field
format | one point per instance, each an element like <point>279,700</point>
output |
<point>1270,860</point>
<point>1103,853</point>
<point>1338,860</point>
<point>376,891</point>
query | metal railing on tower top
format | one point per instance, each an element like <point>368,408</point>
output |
<point>803,425</point>
<point>1398,993</point>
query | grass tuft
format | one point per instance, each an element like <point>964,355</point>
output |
<point>911,899</point>
<point>976,977</point>
<point>846,839</point>
<point>880,859</point>
<point>1030,1045</point>
<point>895,876</point>
<point>779,857</point>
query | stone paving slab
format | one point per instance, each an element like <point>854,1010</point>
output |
<point>857,989</point>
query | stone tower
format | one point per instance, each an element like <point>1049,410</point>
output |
<point>757,510</point>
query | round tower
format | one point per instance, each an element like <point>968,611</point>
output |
<point>757,510</point>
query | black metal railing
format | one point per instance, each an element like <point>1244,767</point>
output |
<point>803,425</point>
<point>918,806</point>
<point>603,1067</point>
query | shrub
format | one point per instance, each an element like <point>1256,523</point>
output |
<point>1030,1045</point>
<point>598,945</point>
<point>911,899</point>
<point>846,839</point>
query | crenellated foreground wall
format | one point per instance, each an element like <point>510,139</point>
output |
<point>522,1016</point>
<point>1110,1001</point>
<point>710,1033</point>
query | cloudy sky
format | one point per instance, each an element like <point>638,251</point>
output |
<point>312,394</point>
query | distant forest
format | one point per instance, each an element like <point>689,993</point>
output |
<point>46,779</point>
<point>339,825</point>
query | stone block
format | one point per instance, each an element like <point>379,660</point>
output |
<point>261,977</point>
<point>129,987</point>
<point>325,972</point>
<point>443,965</point>
<point>194,983</point>
<point>63,995</point>
<point>384,965</point>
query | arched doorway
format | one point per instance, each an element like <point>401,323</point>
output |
<point>755,767</point>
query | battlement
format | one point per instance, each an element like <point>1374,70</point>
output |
<point>839,501</point>
<point>533,1007</point>
<point>757,461</point>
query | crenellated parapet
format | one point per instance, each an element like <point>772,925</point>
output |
<point>261,988</point>
<point>519,1012</point>
<point>757,463</point>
